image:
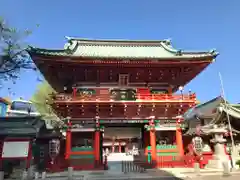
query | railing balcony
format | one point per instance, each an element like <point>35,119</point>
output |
<point>139,98</point>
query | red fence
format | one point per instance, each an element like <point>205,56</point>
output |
<point>175,161</point>
<point>186,161</point>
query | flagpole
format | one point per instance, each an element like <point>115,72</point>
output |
<point>228,119</point>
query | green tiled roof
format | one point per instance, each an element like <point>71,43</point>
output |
<point>232,109</point>
<point>48,52</point>
<point>120,49</point>
<point>20,126</point>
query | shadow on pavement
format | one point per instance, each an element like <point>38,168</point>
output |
<point>162,174</point>
<point>135,170</point>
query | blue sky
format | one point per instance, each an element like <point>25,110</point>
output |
<point>192,25</point>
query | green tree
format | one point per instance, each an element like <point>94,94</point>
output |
<point>13,56</point>
<point>42,100</point>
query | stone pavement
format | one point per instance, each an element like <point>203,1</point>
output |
<point>189,172</point>
<point>108,175</point>
<point>214,177</point>
<point>166,173</point>
<point>169,173</point>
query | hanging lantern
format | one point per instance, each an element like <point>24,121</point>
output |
<point>54,149</point>
<point>197,145</point>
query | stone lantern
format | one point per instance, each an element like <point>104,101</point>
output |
<point>219,157</point>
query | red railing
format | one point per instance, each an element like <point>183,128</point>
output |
<point>171,97</point>
<point>175,161</point>
<point>142,97</point>
<point>165,161</point>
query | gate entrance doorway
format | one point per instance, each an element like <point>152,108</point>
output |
<point>118,142</point>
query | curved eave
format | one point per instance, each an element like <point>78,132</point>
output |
<point>71,51</point>
<point>63,54</point>
<point>198,110</point>
<point>5,101</point>
<point>47,52</point>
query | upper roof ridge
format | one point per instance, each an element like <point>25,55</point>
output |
<point>123,48</point>
<point>118,41</point>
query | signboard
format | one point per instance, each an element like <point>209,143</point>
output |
<point>15,149</point>
<point>42,157</point>
<point>122,133</point>
<point>121,121</point>
<point>133,120</point>
<point>165,128</point>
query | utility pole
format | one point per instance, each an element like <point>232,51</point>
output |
<point>233,151</point>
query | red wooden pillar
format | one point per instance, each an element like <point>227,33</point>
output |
<point>146,141</point>
<point>119,147</point>
<point>68,141</point>
<point>170,90</point>
<point>1,152</point>
<point>74,92</point>
<point>29,158</point>
<point>153,142</point>
<point>126,148</point>
<point>97,147</point>
<point>113,145</point>
<point>179,140</point>
<point>97,142</point>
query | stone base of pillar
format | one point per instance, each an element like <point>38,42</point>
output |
<point>1,175</point>
<point>234,157</point>
<point>218,161</point>
<point>197,168</point>
<point>226,169</point>
<point>216,164</point>
<point>70,173</point>
<point>43,175</point>
<point>30,172</point>
<point>36,175</point>
<point>24,175</point>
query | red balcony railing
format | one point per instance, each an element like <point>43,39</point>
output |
<point>139,98</point>
<point>165,97</point>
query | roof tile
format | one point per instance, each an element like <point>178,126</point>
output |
<point>120,49</point>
